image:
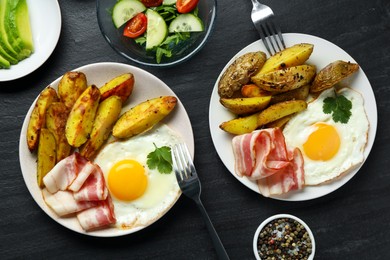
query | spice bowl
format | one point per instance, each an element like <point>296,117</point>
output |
<point>283,234</point>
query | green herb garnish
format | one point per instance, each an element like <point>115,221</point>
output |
<point>161,159</point>
<point>340,106</point>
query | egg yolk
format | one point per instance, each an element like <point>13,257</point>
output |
<point>323,143</point>
<point>127,180</point>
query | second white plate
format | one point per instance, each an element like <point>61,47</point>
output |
<point>324,53</point>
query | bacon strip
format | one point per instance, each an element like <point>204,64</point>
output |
<point>263,156</point>
<point>97,217</point>
<point>94,187</point>
<point>82,176</point>
<point>63,203</point>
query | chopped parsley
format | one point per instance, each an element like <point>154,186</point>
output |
<point>161,159</point>
<point>340,108</point>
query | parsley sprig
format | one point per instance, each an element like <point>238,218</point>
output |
<point>161,159</point>
<point>340,108</point>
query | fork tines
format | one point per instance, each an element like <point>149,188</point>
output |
<point>182,162</point>
<point>271,36</point>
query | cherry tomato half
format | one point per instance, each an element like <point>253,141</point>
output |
<point>136,26</point>
<point>186,6</point>
<point>152,3</point>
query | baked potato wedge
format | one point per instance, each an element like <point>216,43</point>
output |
<point>289,57</point>
<point>46,154</point>
<point>70,87</point>
<point>106,115</point>
<point>121,86</point>
<point>332,74</point>
<point>252,90</point>
<point>300,93</point>
<point>143,116</point>
<point>279,110</point>
<point>240,72</point>
<point>38,116</point>
<point>241,125</point>
<point>281,122</point>
<point>81,117</point>
<point>242,106</point>
<point>285,79</point>
<point>56,117</point>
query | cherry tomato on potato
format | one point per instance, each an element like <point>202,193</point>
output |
<point>136,26</point>
<point>152,3</point>
<point>186,6</point>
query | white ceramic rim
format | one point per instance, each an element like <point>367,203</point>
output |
<point>261,226</point>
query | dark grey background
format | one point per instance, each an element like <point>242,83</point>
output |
<point>350,223</point>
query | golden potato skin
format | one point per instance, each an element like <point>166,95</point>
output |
<point>56,117</point>
<point>121,86</point>
<point>332,74</point>
<point>281,122</point>
<point>46,154</point>
<point>279,110</point>
<point>241,125</point>
<point>300,93</point>
<point>239,73</point>
<point>143,116</point>
<point>81,117</point>
<point>252,90</point>
<point>289,57</point>
<point>106,115</point>
<point>286,79</point>
<point>71,85</point>
<point>38,115</point>
<point>241,106</point>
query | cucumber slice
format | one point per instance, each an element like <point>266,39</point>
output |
<point>124,10</point>
<point>186,23</point>
<point>156,30</point>
<point>169,2</point>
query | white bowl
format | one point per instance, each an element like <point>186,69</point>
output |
<point>265,222</point>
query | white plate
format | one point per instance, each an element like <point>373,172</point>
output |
<point>324,53</point>
<point>146,86</point>
<point>45,20</point>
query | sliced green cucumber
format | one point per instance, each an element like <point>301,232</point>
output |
<point>186,23</point>
<point>169,2</point>
<point>124,10</point>
<point>156,30</point>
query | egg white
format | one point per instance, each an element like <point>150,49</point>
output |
<point>162,190</point>
<point>353,136</point>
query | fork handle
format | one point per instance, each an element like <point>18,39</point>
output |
<point>221,252</point>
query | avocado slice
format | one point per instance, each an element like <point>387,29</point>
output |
<point>4,43</point>
<point>4,63</point>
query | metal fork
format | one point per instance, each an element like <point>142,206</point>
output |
<point>263,19</point>
<point>190,185</point>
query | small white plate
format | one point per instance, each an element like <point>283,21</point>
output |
<point>265,222</point>
<point>324,53</point>
<point>146,86</point>
<point>45,20</point>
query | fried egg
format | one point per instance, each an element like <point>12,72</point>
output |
<point>140,195</point>
<point>329,148</point>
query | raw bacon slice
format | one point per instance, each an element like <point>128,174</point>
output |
<point>82,176</point>
<point>97,217</point>
<point>63,203</point>
<point>263,156</point>
<point>64,173</point>
<point>94,188</point>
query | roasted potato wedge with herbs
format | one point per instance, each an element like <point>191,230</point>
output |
<point>241,125</point>
<point>106,115</point>
<point>81,117</point>
<point>286,79</point>
<point>71,85</point>
<point>279,110</point>
<point>252,90</point>
<point>242,106</point>
<point>121,86</point>
<point>46,154</point>
<point>281,122</point>
<point>300,93</point>
<point>143,116</point>
<point>332,74</point>
<point>56,117</point>
<point>289,57</point>
<point>38,115</point>
<point>240,72</point>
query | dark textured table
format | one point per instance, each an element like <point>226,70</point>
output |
<point>350,223</point>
